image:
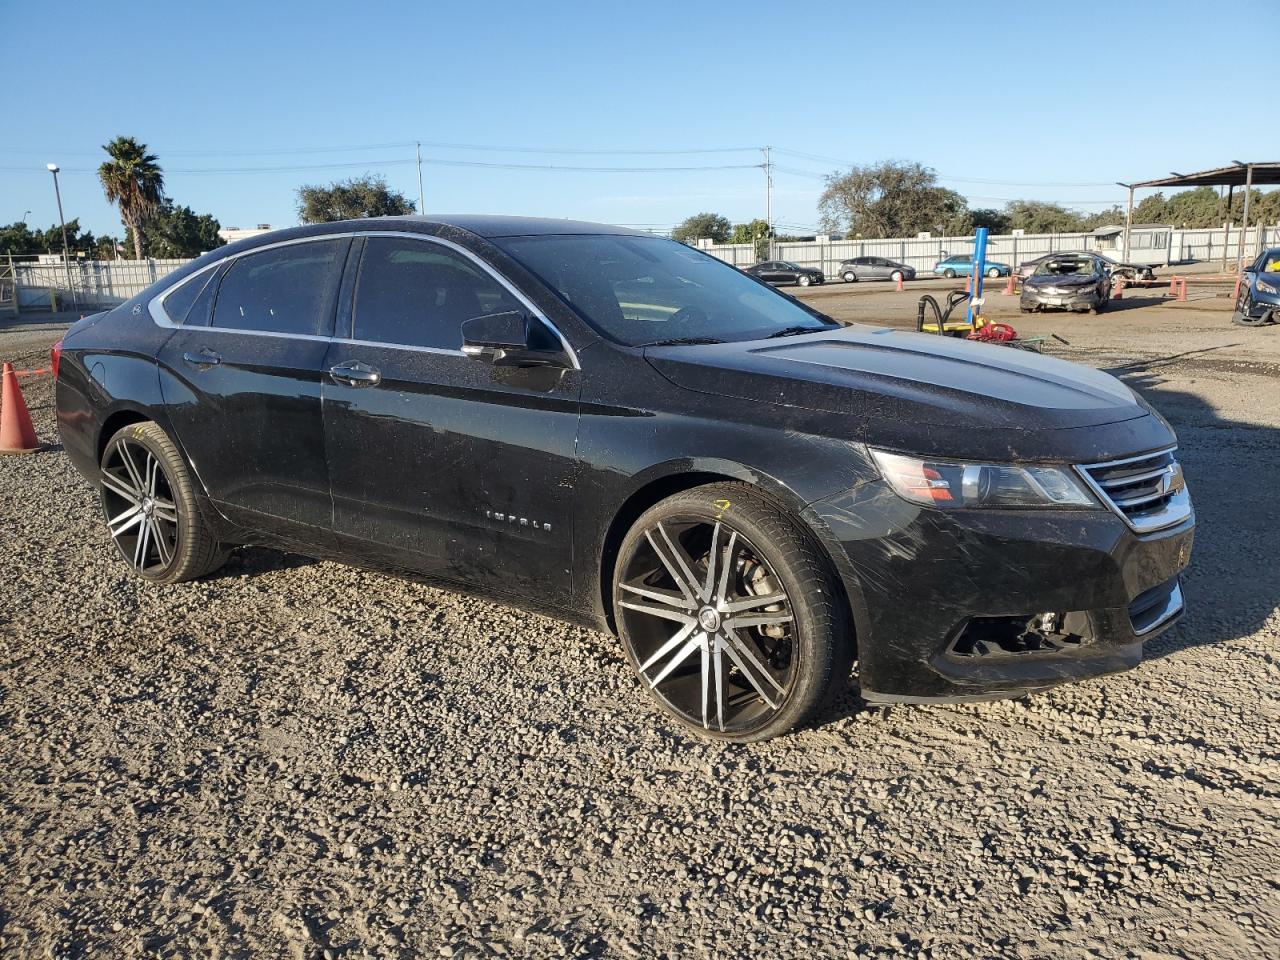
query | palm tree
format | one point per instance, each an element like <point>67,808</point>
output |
<point>134,182</point>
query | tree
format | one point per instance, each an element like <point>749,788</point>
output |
<point>16,238</point>
<point>994,220</point>
<point>175,232</point>
<point>133,181</point>
<point>1103,218</point>
<point>1036,216</point>
<point>367,196</point>
<point>703,226</point>
<point>890,199</point>
<point>757,232</point>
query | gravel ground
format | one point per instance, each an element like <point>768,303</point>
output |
<point>302,759</point>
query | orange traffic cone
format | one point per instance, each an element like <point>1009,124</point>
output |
<point>899,283</point>
<point>1009,288</point>
<point>17,435</point>
<point>968,284</point>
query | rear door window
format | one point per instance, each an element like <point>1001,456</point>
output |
<point>288,289</point>
<point>417,293</point>
<point>177,304</point>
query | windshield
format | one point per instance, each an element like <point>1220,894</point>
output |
<point>1065,268</point>
<point>642,290</point>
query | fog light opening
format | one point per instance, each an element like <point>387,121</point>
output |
<point>1011,636</point>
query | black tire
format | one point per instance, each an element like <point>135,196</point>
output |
<point>153,509</point>
<point>1101,305</point>
<point>896,276</point>
<point>804,280</point>
<point>1240,317</point>
<point>993,273</point>
<point>849,277</point>
<point>949,273</point>
<point>756,550</point>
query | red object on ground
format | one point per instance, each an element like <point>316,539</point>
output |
<point>55,358</point>
<point>1010,287</point>
<point>995,333</point>
<point>17,434</point>
<point>899,283</point>
<point>1118,292</point>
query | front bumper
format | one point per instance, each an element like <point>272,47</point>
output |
<point>1261,304</point>
<point>951,605</point>
<point>1035,299</point>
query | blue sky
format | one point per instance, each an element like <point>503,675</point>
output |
<point>213,87</point>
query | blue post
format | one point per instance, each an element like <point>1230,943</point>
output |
<point>979,269</point>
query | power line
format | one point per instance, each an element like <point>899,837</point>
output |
<point>944,176</point>
<point>560,168</point>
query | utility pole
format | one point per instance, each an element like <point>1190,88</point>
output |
<point>768,197</point>
<point>422,206</point>
<point>1244,227</point>
<point>66,249</point>
<point>1128,221</point>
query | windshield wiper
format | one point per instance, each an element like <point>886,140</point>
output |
<point>679,341</point>
<point>796,331</point>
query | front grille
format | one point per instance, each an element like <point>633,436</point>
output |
<point>1148,491</point>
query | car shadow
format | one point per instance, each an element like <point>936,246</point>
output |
<point>255,561</point>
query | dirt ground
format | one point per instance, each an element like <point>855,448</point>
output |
<point>302,759</point>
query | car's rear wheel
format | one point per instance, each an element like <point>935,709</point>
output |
<point>151,509</point>
<point>849,277</point>
<point>730,614</point>
<point>949,273</point>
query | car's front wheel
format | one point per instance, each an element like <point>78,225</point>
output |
<point>896,276</point>
<point>1244,307</point>
<point>849,277</point>
<point>804,280</point>
<point>730,615</point>
<point>150,505</point>
<point>993,272</point>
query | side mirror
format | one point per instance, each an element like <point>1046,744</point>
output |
<point>510,339</point>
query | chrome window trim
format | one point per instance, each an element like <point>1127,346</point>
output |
<point>156,305</point>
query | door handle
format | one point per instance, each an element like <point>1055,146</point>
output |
<point>356,374</point>
<point>202,358</point>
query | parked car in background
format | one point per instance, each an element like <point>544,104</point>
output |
<point>1259,300</point>
<point>962,264</point>
<point>627,433</point>
<point>1068,281</point>
<point>874,268</point>
<point>784,271</point>
<point>1130,271</point>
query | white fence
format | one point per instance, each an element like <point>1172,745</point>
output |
<point>104,283</point>
<point>923,253</point>
<point>94,283</point>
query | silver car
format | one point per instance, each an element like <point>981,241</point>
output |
<point>874,268</point>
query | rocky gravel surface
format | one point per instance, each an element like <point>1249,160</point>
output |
<point>302,759</point>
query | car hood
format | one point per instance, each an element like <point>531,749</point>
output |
<point>922,392</point>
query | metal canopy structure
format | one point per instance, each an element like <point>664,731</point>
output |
<point>1247,175</point>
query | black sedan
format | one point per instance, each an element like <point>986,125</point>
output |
<point>1130,271</point>
<point>1068,282</point>
<point>784,271</point>
<point>874,268</point>
<point>624,432</point>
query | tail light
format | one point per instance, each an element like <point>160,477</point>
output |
<point>55,358</point>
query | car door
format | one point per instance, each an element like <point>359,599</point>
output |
<point>441,462</point>
<point>241,383</point>
<point>881,268</point>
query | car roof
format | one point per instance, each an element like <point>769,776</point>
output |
<point>486,226</point>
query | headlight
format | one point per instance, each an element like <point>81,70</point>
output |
<point>1266,287</point>
<point>953,485</point>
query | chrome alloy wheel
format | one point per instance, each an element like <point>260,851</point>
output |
<point>709,624</point>
<point>138,501</point>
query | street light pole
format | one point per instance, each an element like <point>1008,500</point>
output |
<point>66,249</point>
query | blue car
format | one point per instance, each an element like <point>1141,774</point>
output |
<point>962,264</point>
<point>1259,300</point>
